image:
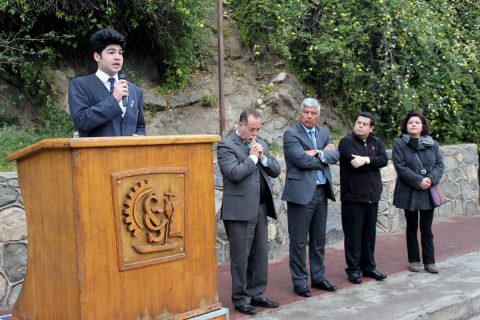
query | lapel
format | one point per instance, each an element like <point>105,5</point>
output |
<point>131,110</point>
<point>239,142</point>
<point>306,139</point>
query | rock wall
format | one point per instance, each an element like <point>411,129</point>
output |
<point>13,239</point>
<point>460,184</point>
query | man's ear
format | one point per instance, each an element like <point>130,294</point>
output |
<point>96,56</point>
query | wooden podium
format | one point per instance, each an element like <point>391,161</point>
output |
<point>119,228</point>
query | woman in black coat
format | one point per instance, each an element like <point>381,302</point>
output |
<point>419,164</point>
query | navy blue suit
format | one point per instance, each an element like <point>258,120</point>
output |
<point>96,113</point>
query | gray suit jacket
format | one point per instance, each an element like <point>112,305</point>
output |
<point>302,168</point>
<point>241,179</point>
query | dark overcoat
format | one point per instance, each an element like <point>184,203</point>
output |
<point>408,194</point>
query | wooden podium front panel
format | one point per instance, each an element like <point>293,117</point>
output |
<point>159,288</point>
<point>51,285</point>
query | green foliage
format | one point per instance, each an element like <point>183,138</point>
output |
<point>172,32</point>
<point>209,100</point>
<point>13,139</point>
<point>385,56</point>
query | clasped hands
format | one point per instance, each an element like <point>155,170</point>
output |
<point>426,183</point>
<point>256,149</point>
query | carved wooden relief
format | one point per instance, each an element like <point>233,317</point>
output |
<point>149,215</point>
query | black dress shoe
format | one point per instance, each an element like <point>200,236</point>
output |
<point>355,279</point>
<point>246,309</point>
<point>302,291</point>
<point>354,276</point>
<point>265,303</point>
<point>375,274</point>
<point>324,285</point>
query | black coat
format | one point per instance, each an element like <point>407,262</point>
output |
<point>408,194</point>
<point>362,184</point>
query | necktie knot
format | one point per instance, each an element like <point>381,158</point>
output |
<point>112,83</point>
<point>247,144</point>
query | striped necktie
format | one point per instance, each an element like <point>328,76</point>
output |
<point>112,83</point>
<point>320,175</point>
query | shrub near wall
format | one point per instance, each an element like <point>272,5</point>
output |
<point>384,56</point>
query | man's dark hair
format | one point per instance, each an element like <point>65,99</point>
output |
<point>368,115</point>
<point>245,113</point>
<point>104,37</point>
<point>425,126</point>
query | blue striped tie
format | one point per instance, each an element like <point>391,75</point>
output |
<point>112,83</point>
<point>320,175</point>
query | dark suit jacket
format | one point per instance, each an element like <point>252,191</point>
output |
<point>96,113</point>
<point>241,179</point>
<point>302,168</point>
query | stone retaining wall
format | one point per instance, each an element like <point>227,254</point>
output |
<point>460,184</point>
<point>13,239</point>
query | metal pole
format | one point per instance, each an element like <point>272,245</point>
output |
<point>221,98</point>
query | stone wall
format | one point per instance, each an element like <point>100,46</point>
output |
<point>13,239</point>
<point>460,184</point>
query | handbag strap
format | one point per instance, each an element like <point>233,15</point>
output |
<point>424,172</point>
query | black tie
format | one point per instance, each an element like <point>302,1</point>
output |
<point>112,82</point>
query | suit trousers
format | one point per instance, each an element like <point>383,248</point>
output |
<point>248,257</point>
<point>359,223</point>
<point>428,249</point>
<point>308,221</point>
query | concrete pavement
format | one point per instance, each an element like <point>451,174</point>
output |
<point>451,294</point>
<point>454,293</point>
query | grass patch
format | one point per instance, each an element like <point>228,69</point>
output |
<point>13,139</point>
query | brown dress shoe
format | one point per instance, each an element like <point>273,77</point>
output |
<point>415,267</point>
<point>432,268</point>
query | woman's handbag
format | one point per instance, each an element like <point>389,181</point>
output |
<point>436,193</point>
<point>438,197</point>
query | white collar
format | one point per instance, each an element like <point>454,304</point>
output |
<point>104,77</point>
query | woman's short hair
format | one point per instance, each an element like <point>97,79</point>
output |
<point>425,126</point>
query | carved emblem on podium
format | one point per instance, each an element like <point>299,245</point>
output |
<point>149,216</point>
<point>155,220</point>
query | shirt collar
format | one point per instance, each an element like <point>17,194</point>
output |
<point>104,77</point>
<point>308,130</point>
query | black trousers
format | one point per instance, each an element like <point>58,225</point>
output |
<point>359,223</point>
<point>425,222</point>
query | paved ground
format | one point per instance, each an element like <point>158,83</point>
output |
<point>457,244</point>
<point>452,294</point>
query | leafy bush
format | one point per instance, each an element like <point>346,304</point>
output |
<point>385,56</point>
<point>38,34</point>
<point>172,32</point>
